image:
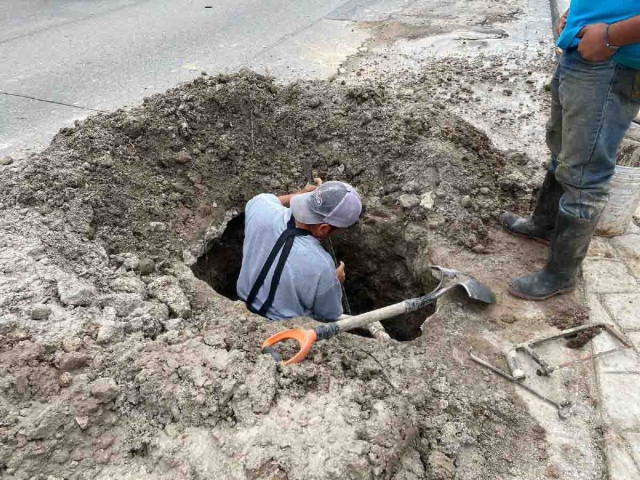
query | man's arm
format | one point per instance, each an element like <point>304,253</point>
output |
<point>562,22</point>
<point>593,46</point>
<point>285,200</point>
<point>328,305</point>
<point>626,32</point>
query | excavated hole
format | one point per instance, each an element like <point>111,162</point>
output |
<point>377,273</point>
<point>220,265</point>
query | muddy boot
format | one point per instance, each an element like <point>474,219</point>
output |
<point>540,225</point>
<point>568,249</point>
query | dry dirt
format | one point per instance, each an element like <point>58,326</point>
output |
<point>116,361</point>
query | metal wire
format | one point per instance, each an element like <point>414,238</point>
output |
<point>347,307</point>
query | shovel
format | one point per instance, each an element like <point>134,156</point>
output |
<point>306,338</point>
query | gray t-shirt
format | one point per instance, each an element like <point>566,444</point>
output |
<point>308,286</point>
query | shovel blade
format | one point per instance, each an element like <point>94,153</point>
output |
<point>473,287</point>
<point>478,291</point>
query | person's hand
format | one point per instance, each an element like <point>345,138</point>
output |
<point>311,188</point>
<point>593,46</point>
<point>562,22</point>
<point>340,273</point>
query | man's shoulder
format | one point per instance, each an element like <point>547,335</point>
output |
<point>262,205</point>
<point>264,199</point>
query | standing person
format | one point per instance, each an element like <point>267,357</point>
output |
<point>595,97</point>
<point>285,271</point>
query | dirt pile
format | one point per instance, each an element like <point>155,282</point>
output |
<point>117,362</point>
<point>151,177</point>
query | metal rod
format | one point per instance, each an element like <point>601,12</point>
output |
<point>562,407</point>
<point>586,359</point>
<point>546,369</point>
<point>347,307</point>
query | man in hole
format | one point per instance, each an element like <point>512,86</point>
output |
<point>595,96</point>
<point>309,284</point>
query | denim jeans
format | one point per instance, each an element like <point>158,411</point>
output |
<point>593,105</point>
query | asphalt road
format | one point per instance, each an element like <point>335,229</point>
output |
<point>62,59</point>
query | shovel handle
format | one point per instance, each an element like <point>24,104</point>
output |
<point>306,339</point>
<point>308,172</point>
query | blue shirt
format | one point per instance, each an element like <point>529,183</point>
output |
<point>587,12</point>
<point>308,286</point>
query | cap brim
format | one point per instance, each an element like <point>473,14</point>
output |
<point>302,212</point>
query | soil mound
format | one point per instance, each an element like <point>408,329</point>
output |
<point>117,362</point>
<point>154,175</point>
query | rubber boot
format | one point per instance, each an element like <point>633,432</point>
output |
<point>541,223</point>
<point>569,247</point>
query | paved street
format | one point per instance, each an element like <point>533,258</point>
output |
<point>62,59</point>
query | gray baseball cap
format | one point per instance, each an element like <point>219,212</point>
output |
<point>335,203</point>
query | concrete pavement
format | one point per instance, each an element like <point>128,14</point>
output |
<point>612,281</point>
<point>93,55</point>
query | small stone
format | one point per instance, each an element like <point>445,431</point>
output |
<point>440,466</point>
<point>167,290</point>
<point>507,92</point>
<point>478,248</point>
<point>410,187</point>
<point>40,312</point>
<point>158,226</point>
<point>129,285</point>
<point>146,266</point>
<point>484,190</point>
<point>215,340</point>
<point>183,157</point>
<point>6,161</point>
<point>466,201</point>
<point>105,389</point>
<point>275,184</point>
<point>123,304</point>
<point>408,200</point>
<point>73,360</point>
<point>518,158</point>
<point>314,102</point>
<point>110,332</point>
<point>71,344</point>
<point>83,422</point>
<point>117,260</point>
<point>74,292</point>
<point>367,118</point>
<point>65,379</point>
<point>342,71</point>
<point>131,262</point>
<point>427,201</point>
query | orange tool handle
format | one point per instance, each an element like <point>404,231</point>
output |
<point>306,339</point>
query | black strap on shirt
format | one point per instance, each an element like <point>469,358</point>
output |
<point>284,243</point>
